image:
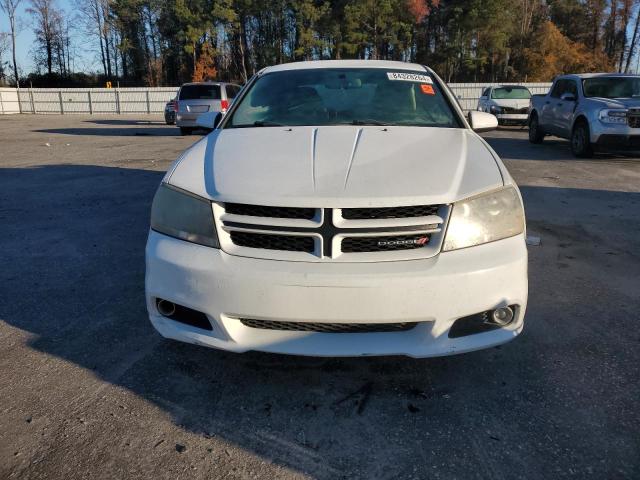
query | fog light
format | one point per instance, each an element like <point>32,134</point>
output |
<point>166,308</point>
<point>502,316</point>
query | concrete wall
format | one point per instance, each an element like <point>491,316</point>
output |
<point>152,100</point>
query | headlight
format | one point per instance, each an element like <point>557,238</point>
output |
<point>613,116</point>
<point>485,218</point>
<point>182,215</point>
<point>495,109</point>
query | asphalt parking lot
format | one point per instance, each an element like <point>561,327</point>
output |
<point>89,390</point>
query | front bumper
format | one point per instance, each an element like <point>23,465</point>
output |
<point>512,118</point>
<point>434,291</point>
<point>618,142</point>
<point>608,135</point>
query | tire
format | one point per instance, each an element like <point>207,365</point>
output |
<point>581,140</point>
<point>185,131</point>
<point>536,135</point>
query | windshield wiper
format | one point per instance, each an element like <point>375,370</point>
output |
<point>267,123</point>
<point>371,122</point>
<point>259,123</point>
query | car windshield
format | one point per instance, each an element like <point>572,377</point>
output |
<point>511,93</point>
<point>200,92</point>
<point>344,96</point>
<point>612,87</point>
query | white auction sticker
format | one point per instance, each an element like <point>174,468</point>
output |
<point>409,77</point>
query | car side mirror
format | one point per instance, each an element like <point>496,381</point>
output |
<point>209,120</point>
<point>568,97</point>
<point>482,121</point>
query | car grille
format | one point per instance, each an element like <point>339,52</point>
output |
<point>384,244</point>
<point>273,212</point>
<point>634,121</point>
<point>515,110</point>
<point>289,243</point>
<point>327,234</point>
<point>389,212</point>
<point>328,327</point>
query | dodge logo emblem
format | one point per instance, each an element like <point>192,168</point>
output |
<point>413,241</point>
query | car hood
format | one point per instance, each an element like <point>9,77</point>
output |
<point>511,102</point>
<point>337,166</point>
<point>617,102</point>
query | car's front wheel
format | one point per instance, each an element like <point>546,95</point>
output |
<point>536,135</point>
<point>581,141</point>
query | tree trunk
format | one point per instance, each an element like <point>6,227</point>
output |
<point>49,55</point>
<point>626,12</point>
<point>12,20</point>
<point>243,48</point>
<point>633,41</point>
<point>107,55</point>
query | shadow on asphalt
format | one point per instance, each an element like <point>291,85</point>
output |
<point>168,131</point>
<point>73,254</point>
<point>113,121</point>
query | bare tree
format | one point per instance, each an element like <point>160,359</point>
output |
<point>627,6</point>
<point>94,17</point>
<point>10,7</point>
<point>634,40</point>
<point>45,26</point>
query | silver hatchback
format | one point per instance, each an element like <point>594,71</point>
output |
<point>194,99</point>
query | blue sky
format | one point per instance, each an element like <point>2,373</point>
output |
<point>85,58</point>
<point>85,52</point>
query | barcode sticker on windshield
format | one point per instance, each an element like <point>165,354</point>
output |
<point>409,77</point>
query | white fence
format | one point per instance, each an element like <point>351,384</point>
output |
<point>85,100</point>
<point>152,100</point>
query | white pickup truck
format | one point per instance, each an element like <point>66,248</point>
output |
<point>339,208</point>
<point>594,111</point>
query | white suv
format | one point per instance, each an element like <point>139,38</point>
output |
<point>340,208</point>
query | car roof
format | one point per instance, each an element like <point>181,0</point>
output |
<point>583,76</point>
<point>206,83</point>
<point>384,64</point>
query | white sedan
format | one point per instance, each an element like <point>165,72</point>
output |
<point>340,208</point>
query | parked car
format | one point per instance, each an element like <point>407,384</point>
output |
<point>170,112</point>
<point>509,103</point>
<point>340,208</point>
<point>595,111</point>
<point>196,98</point>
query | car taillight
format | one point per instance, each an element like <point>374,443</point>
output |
<point>224,104</point>
<point>175,106</point>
